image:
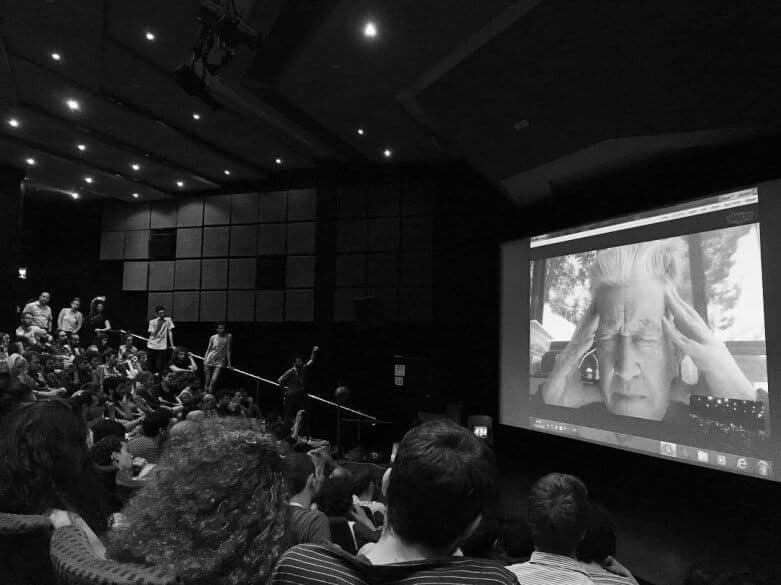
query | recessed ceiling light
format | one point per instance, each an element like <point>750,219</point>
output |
<point>180,184</point>
<point>278,161</point>
<point>370,30</point>
<point>361,132</point>
<point>135,166</point>
<point>387,153</point>
<point>227,172</point>
<point>135,195</point>
<point>150,36</point>
<point>73,105</point>
<point>13,123</point>
<point>30,161</point>
<point>196,116</point>
<point>81,147</point>
<point>74,195</point>
<point>88,180</point>
<point>56,56</point>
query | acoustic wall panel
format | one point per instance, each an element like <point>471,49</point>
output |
<point>187,307</point>
<point>215,241</point>
<point>343,303</point>
<point>270,306</point>
<point>301,204</point>
<point>383,234</point>
<point>162,244</point>
<point>190,212</point>
<point>271,238</point>
<point>188,242</point>
<point>351,201</point>
<point>137,245</point>
<point>301,238</point>
<point>300,271</point>
<point>166,299</point>
<point>244,208</point>
<point>217,210</point>
<point>114,214</point>
<point>163,214</point>
<point>299,305</point>
<point>214,274</point>
<point>417,270</point>
<point>417,234</point>
<point>241,305</point>
<point>112,245</point>
<point>351,235</point>
<point>383,200</point>
<point>213,306</point>
<point>137,217</point>
<point>418,198</point>
<point>351,270</point>
<point>134,275</point>
<point>271,272</point>
<point>161,275</point>
<point>244,240</point>
<point>388,300</point>
<point>241,273</point>
<point>273,206</point>
<point>382,270</point>
<point>415,305</point>
<point>187,275</point>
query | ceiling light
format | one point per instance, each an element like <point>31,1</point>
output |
<point>180,184</point>
<point>73,105</point>
<point>278,161</point>
<point>135,166</point>
<point>74,195</point>
<point>30,161</point>
<point>56,56</point>
<point>13,123</point>
<point>387,153</point>
<point>135,195</point>
<point>361,132</point>
<point>370,30</point>
<point>227,172</point>
<point>88,180</point>
<point>81,147</point>
<point>196,116</point>
<point>150,36</point>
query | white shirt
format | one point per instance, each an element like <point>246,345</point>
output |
<point>42,314</point>
<point>158,334</point>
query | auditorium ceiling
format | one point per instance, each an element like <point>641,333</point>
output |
<point>530,92</point>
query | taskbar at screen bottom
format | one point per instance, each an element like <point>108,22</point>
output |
<point>698,455</point>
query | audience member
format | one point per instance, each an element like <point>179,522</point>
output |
<point>364,494</point>
<point>70,318</point>
<point>147,443</point>
<point>40,311</point>
<point>29,334</point>
<point>97,322</point>
<point>161,339</point>
<point>128,348</point>
<point>335,501</point>
<point>305,525</point>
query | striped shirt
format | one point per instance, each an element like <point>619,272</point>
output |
<point>310,564</point>
<point>306,526</point>
<point>549,569</point>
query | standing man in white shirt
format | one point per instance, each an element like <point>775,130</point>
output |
<point>40,311</point>
<point>161,340</point>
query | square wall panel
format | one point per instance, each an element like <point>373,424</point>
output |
<point>417,234</point>
<point>159,298</point>
<point>273,206</point>
<point>241,305</point>
<point>187,306</point>
<point>138,216</point>
<point>213,306</point>
<point>300,271</point>
<point>343,303</point>
<point>351,201</point>
<point>134,275</point>
<point>114,214</point>
<point>417,270</point>
<point>351,270</point>
<point>163,214</point>
<point>188,242</point>
<point>187,275</point>
<point>351,235</point>
<point>415,305</point>
<point>112,245</point>
<point>383,200</point>
<point>215,241</point>
<point>214,274</point>
<point>271,272</point>
<point>190,212</point>
<point>299,305</point>
<point>162,244</point>
<point>137,245</point>
<point>217,210</point>
<point>418,198</point>
<point>382,270</point>
<point>301,238</point>
<point>301,204</point>
<point>161,275</point>
<point>244,208</point>
<point>383,234</point>
<point>271,238</point>
<point>388,300</point>
<point>244,240</point>
<point>270,306</point>
<point>241,273</point>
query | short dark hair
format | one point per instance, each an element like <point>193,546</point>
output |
<point>298,467</point>
<point>335,498</point>
<point>159,308</point>
<point>107,428</point>
<point>280,431</point>
<point>155,422</point>
<point>599,541</point>
<point>442,478</point>
<point>362,479</point>
<point>557,511</point>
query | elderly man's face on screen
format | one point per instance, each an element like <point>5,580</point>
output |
<point>635,357</point>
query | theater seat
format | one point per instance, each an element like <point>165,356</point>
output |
<point>75,563</point>
<point>342,535</point>
<point>24,549</point>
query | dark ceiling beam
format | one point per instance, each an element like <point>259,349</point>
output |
<point>119,102</point>
<point>69,158</point>
<point>132,150</point>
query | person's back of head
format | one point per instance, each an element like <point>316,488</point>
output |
<point>299,471</point>
<point>107,428</point>
<point>439,484</point>
<point>362,480</point>
<point>335,496</point>
<point>557,512</point>
<point>599,540</point>
<point>155,422</point>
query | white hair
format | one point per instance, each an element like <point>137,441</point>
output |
<point>643,261</point>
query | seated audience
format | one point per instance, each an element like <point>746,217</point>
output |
<point>557,512</point>
<point>128,349</point>
<point>436,494</point>
<point>29,334</point>
<point>306,525</point>
<point>181,361</point>
<point>335,501</point>
<point>147,444</point>
<point>485,542</point>
<point>364,492</point>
